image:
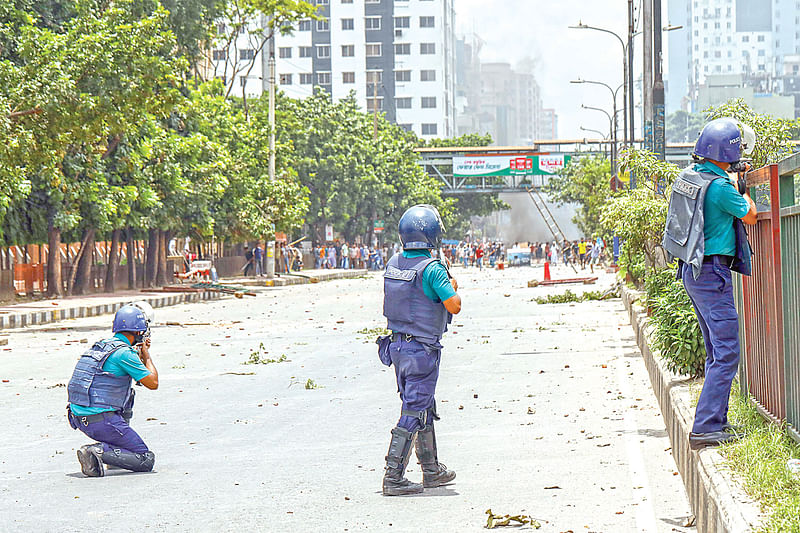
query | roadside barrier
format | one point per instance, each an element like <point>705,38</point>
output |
<point>769,300</point>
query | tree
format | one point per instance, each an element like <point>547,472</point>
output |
<point>683,126</point>
<point>246,17</point>
<point>586,182</point>
<point>96,78</point>
<point>468,139</point>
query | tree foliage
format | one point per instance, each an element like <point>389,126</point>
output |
<point>586,182</point>
<point>684,127</point>
<point>105,129</point>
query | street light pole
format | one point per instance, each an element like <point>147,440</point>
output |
<point>612,126</point>
<point>582,26</point>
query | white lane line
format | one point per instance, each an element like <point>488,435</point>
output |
<point>645,513</point>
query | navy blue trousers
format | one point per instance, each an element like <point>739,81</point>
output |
<point>417,372</point>
<point>712,297</point>
<point>113,433</point>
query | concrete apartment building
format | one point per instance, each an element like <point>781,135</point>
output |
<point>503,101</point>
<point>398,55</point>
<point>729,47</point>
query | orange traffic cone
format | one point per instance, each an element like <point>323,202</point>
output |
<point>547,270</point>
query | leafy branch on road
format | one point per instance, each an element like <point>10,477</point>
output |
<point>568,297</point>
<point>496,520</point>
<point>257,357</point>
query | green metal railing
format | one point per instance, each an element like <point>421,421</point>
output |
<point>769,300</point>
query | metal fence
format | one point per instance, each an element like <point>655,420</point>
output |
<point>769,300</point>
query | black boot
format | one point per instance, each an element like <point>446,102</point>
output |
<point>434,473</point>
<point>89,457</point>
<point>138,462</point>
<point>394,482</point>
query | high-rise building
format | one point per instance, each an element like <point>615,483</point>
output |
<point>752,38</point>
<point>394,55</point>
<point>549,128</point>
<point>509,104</point>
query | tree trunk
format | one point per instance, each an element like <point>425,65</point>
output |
<point>110,284</point>
<point>54,262</point>
<point>80,277</point>
<point>151,268</point>
<point>164,277</point>
<point>131,245</point>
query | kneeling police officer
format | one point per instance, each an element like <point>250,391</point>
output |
<point>101,397</point>
<point>705,232</point>
<point>419,301</point>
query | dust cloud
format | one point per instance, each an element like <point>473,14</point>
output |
<point>523,223</point>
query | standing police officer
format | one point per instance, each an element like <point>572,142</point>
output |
<point>705,232</point>
<point>419,301</point>
<point>100,394</point>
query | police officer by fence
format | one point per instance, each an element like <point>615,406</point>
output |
<point>101,397</point>
<point>419,301</point>
<point>705,232</point>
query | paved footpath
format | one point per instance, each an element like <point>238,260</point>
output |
<point>545,410</point>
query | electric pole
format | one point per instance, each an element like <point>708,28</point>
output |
<point>374,106</point>
<point>631,109</point>
<point>270,251</point>
<point>647,72</point>
<point>658,85</point>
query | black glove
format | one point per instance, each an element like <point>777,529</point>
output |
<point>741,184</point>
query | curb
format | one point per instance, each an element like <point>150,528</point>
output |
<point>35,318</point>
<point>718,502</point>
<point>301,279</point>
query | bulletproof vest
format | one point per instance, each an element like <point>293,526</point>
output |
<point>405,305</point>
<point>684,236</point>
<point>90,386</point>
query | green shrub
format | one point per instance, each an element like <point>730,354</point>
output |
<point>676,333</point>
<point>656,283</point>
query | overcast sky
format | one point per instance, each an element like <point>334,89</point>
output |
<point>515,29</point>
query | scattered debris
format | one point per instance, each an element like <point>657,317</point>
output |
<point>494,520</point>
<point>257,359</point>
<point>310,384</point>
<point>373,332</point>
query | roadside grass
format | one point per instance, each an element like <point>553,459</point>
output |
<point>759,459</point>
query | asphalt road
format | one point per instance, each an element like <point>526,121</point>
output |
<point>545,410</point>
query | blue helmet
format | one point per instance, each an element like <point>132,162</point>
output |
<point>720,140</point>
<point>129,318</point>
<point>421,228</point>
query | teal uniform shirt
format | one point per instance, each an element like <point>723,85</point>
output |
<point>123,362</point>
<point>722,205</point>
<point>435,281</point>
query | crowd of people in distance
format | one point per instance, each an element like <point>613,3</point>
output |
<point>344,255</point>
<point>340,254</point>
<point>582,252</point>
<point>477,254</point>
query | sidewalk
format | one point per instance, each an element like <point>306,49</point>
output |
<point>46,311</point>
<point>37,312</point>
<point>719,503</point>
